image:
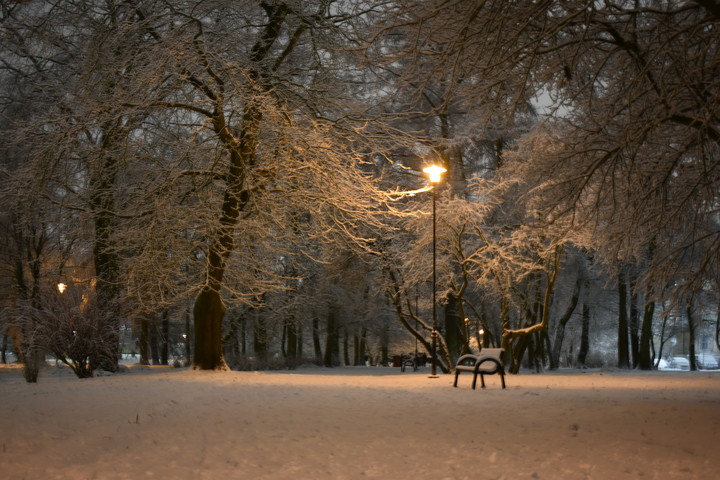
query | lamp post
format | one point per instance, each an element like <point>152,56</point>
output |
<point>435,174</point>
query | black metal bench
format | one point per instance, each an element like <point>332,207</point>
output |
<point>488,362</point>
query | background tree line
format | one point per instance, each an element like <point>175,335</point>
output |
<point>248,175</point>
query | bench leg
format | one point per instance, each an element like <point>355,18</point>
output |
<point>474,381</point>
<point>502,378</point>
<point>482,380</point>
<point>457,372</point>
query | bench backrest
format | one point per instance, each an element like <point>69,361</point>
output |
<point>492,352</point>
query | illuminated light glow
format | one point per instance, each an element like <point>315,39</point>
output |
<point>434,172</point>
<point>61,287</point>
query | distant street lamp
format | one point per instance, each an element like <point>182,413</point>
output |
<point>435,174</point>
<point>61,287</point>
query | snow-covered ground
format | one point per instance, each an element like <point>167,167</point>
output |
<point>356,423</point>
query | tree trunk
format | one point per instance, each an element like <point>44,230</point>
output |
<point>332,347</point>
<point>622,342</point>
<point>584,337</point>
<point>453,325</point>
<point>154,344</point>
<point>164,339</point>
<point>143,340</point>
<point>292,343</point>
<point>562,322</point>
<point>106,260</point>
<point>231,347</point>
<point>634,325</point>
<point>717,327</point>
<point>260,337</point>
<point>691,333</point>
<point>188,338</point>
<point>243,335</point>
<point>646,362</point>
<point>316,341</point>
<point>540,311</point>
<point>356,350</point>
<point>209,308</point>
<point>346,347</point>
<point>208,315</point>
<point>663,329</point>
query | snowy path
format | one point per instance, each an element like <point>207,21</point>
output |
<point>354,423</point>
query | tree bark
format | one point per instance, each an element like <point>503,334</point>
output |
<point>691,333</point>
<point>584,337</point>
<point>154,344</point>
<point>622,342</point>
<point>331,342</point>
<point>316,341</point>
<point>106,260</point>
<point>292,343</point>
<point>453,325</point>
<point>260,337</point>
<point>646,362</point>
<point>164,339</point>
<point>143,340</point>
<point>208,314</point>
<point>634,324</point>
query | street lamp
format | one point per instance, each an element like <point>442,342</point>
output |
<point>435,174</point>
<point>61,287</point>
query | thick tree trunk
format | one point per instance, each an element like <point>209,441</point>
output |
<point>106,260</point>
<point>208,315</point>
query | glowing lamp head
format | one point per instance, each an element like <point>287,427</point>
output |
<point>434,172</point>
<point>61,287</point>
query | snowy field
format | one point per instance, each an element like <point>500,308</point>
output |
<point>358,423</point>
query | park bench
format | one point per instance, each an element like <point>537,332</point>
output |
<point>413,360</point>
<point>488,362</point>
<point>408,361</point>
